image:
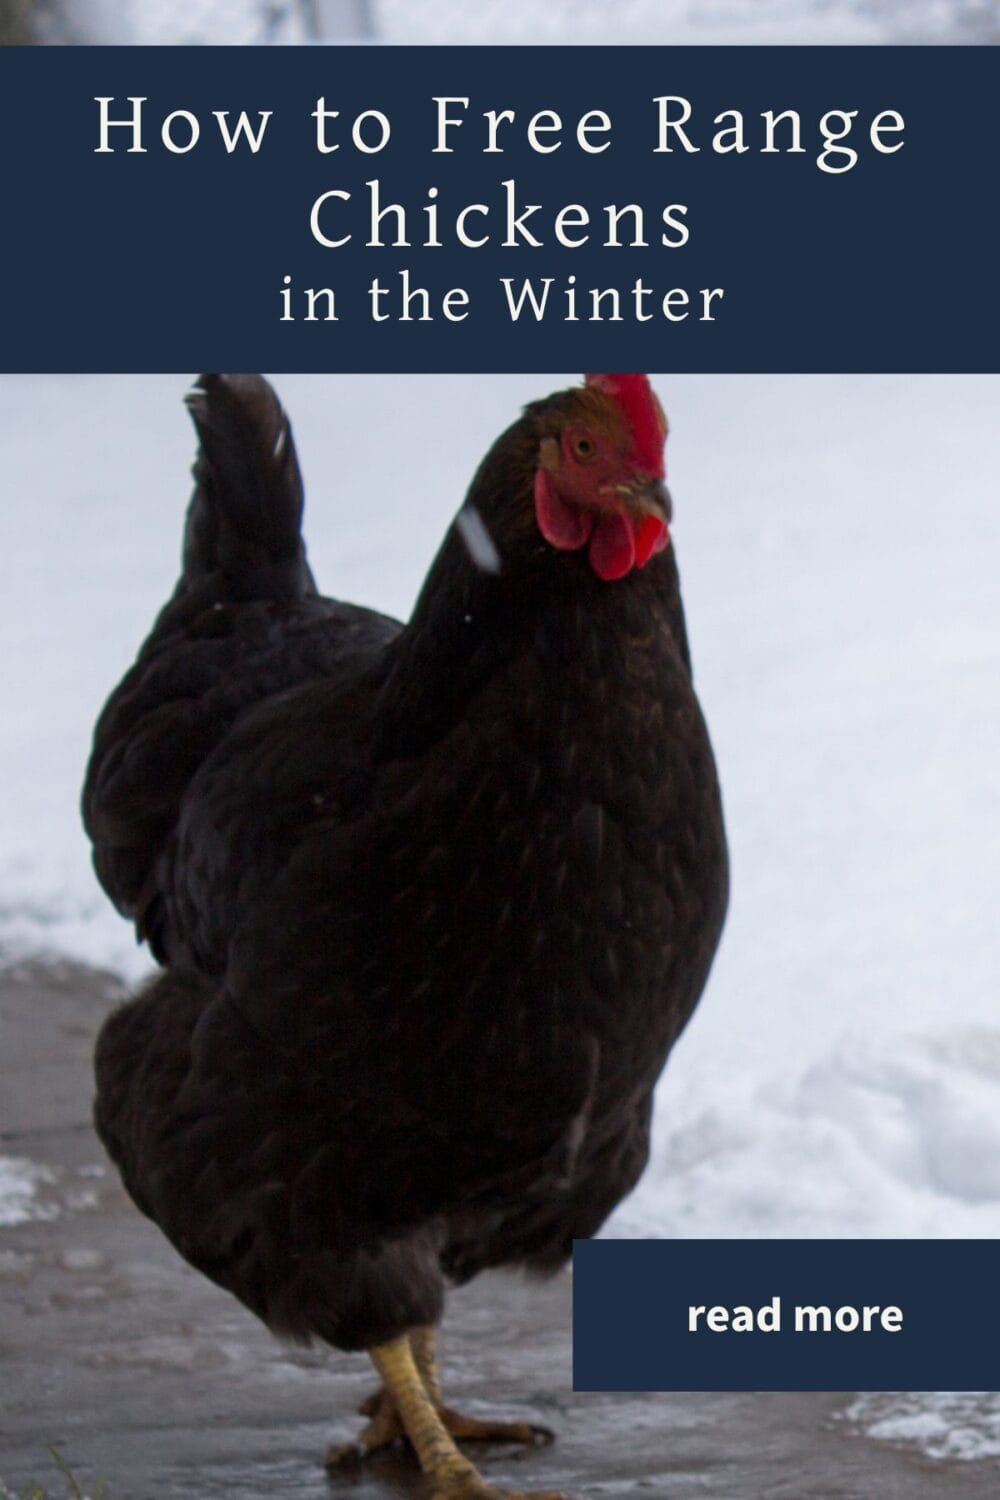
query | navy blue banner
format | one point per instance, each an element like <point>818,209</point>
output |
<point>726,209</point>
<point>786,1315</point>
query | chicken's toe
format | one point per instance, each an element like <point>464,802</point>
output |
<point>386,1429</point>
<point>382,1431</point>
<point>370,1405</point>
<point>479,1430</point>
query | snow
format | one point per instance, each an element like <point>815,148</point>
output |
<point>730,22</point>
<point>20,1180</point>
<point>962,1426</point>
<point>635,21</point>
<point>837,538</point>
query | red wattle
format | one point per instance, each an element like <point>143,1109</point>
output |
<point>651,536</point>
<point>563,526</point>
<point>612,547</point>
<point>617,544</point>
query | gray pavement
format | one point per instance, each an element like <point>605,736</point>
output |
<point>136,1369</point>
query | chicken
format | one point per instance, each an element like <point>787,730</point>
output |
<point>433,902</point>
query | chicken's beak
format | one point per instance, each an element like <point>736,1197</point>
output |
<point>649,497</point>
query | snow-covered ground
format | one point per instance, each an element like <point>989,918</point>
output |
<point>838,538</point>
<point>490,21</point>
<point>680,22</point>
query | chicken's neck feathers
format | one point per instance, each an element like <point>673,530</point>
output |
<point>471,624</point>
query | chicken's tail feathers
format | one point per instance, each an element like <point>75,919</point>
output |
<point>245,514</point>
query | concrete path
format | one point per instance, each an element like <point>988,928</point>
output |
<point>135,1368</point>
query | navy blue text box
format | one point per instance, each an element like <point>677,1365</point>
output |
<point>937,1326</point>
<point>177,260</point>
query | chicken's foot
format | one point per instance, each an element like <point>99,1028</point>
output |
<point>386,1427</point>
<point>453,1476</point>
<point>469,1429</point>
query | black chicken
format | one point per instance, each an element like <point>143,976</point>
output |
<point>433,901</point>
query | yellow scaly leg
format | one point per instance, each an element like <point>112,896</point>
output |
<point>386,1427</point>
<point>453,1476</point>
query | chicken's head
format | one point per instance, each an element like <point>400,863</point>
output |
<point>599,480</point>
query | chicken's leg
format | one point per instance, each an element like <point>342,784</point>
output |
<point>386,1426</point>
<point>453,1476</point>
<point>423,1342</point>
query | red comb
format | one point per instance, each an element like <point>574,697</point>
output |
<point>642,412</point>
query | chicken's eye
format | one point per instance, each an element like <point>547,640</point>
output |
<point>584,448</point>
